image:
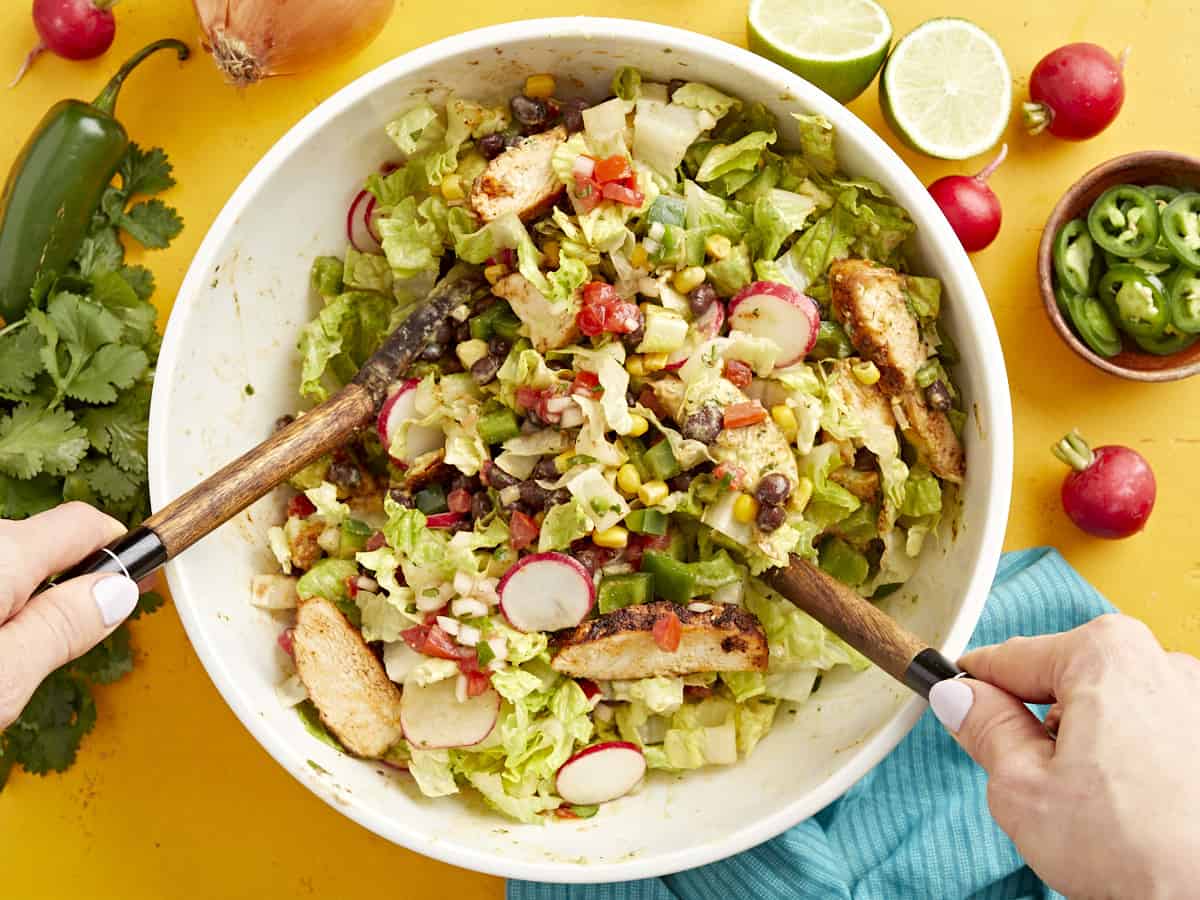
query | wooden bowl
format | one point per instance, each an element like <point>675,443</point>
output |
<point>1146,167</point>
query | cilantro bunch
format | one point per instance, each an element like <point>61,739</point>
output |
<point>75,380</point>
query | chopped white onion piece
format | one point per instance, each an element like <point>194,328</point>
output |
<point>510,494</point>
<point>330,540</point>
<point>499,646</point>
<point>651,245</point>
<point>468,635</point>
<point>464,584</point>
<point>273,591</point>
<point>557,403</point>
<point>448,625</point>
<point>657,230</point>
<point>428,602</point>
<point>584,166</point>
<point>366,583</point>
<point>699,607</point>
<point>468,608</point>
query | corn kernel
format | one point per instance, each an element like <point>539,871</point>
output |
<point>717,246</point>
<point>613,538</point>
<point>628,479</point>
<point>783,416</point>
<point>866,372</point>
<point>539,87</point>
<point>687,280</point>
<point>471,352</point>
<point>551,250</point>
<point>745,509</point>
<point>654,362</point>
<point>560,461</point>
<point>636,366</point>
<point>653,493</point>
<point>452,187</point>
<point>495,273</point>
<point>803,492</point>
<point>639,258</point>
<point>639,426</point>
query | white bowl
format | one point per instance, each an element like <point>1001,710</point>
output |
<point>236,322</point>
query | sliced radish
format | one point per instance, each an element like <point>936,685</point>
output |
<point>433,719</point>
<point>779,312</point>
<point>443,520</point>
<point>600,773</point>
<point>399,408</point>
<point>546,592</point>
<point>704,329</point>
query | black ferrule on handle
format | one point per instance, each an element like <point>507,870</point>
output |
<point>927,669</point>
<point>137,553</point>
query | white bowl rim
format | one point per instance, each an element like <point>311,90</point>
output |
<point>923,209</point>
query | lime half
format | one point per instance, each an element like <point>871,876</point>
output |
<point>838,45</point>
<point>946,89</point>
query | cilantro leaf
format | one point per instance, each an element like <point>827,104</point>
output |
<point>152,223</point>
<point>20,498</point>
<point>35,439</point>
<point>114,293</point>
<point>140,279</point>
<point>83,324</point>
<point>46,736</point>
<point>147,603</point>
<point>107,479</point>
<point>20,362</point>
<point>120,430</point>
<point>101,251</point>
<point>112,366</point>
<point>109,660</point>
<point>145,171</point>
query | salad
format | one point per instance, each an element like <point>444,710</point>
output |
<point>698,352</point>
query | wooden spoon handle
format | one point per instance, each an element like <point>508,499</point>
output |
<point>862,625</point>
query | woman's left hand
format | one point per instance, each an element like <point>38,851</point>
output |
<point>40,634</point>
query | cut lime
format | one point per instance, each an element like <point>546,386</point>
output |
<point>838,45</point>
<point>946,89</point>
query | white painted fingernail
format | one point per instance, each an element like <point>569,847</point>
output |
<point>951,701</point>
<point>116,596</point>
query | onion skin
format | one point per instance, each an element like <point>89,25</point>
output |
<point>255,39</point>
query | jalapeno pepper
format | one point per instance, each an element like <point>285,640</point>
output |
<point>1136,301</point>
<point>1181,228</point>
<point>1076,260</point>
<point>1150,263</point>
<point>1183,296</point>
<point>56,184</point>
<point>1124,221</point>
<point>1166,344</point>
<point>1092,322</point>
<point>1162,193</point>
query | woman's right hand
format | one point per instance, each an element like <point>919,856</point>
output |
<point>1113,808</point>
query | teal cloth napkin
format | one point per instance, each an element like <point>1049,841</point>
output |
<point>909,829</point>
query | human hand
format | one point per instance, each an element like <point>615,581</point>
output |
<point>1113,808</point>
<point>40,634</point>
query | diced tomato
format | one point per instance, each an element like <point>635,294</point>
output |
<point>586,383</point>
<point>352,586</point>
<point>735,474</point>
<point>600,292</point>
<point>459,501</point>
<point>590,688</point>
<point>623,194</point>
<point>431,617</point>
<point>285,642</point>
<point>522,530</point>
<point>649,399</point>
<point>738,373</point>
<point>612,168</point>
<point>431,640</point>
<point>528,397</point>
<point>478,682</point>
<point>300,507</point>
<point>624,318</point>
<point>667,632</point>
<point>375,541</point>
<point>507,256</point>
<point>739,415</point>
<point>640,543</point>
<point>588,193</point>
<point>592,319</point>
<point>565,812</point>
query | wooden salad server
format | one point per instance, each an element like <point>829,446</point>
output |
<point>223,495</point>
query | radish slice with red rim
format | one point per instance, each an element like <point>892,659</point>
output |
<point>600,773</point>
<point>546,592</point>
<point>779,313</point>
<point>705,327</point>
<point>443,520</point>
<point>434,719</point>
<point>399,408</point>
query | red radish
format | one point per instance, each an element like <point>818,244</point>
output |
<point>72,29</point>
<point>600,773</point>
<point>434,719</point>
<point>972,208</point>
<point>778,312</point>
<point>546,592</point>
<point>443,520</point>
<point>706,327</point>
<point>1075,92</point>
<point>399,408</point>
<point>1110,493</point>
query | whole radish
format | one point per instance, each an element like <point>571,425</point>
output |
<point>1075,92</point>
<point>72,29</point>
<point>1110,492</point>
<point>972,208</point>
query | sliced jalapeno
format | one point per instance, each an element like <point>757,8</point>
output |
<point>1076,260</point>
<point>1162,193</point>
<point>1166,344</point>
<point>1124,221</point>
<point>1148,264</point>
<point>1183,296</point>
<point>1181,228</point>
<point>1135,300</point>
<point>1092,322</point>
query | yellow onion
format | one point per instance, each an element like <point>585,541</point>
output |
<point>256,39</point>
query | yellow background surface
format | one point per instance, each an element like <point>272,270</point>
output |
<point>172,798</point>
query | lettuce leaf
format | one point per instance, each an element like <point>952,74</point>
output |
<point>777,216</point>
<point>796,640</point>
<point>816,143</point>
<point>431,770</point>
<point>367,272</point>
<point>564,524</point>
<point>662,133</point>
<point>742,155</point>
<point>627,83</point>
<point>340,339</point>
<point>922,494</point>
<point>695,95</point>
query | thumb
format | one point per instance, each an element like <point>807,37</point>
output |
<point>56,627</point>
<point>991,725</point>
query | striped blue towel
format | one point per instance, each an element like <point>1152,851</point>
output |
<point>908,829</point>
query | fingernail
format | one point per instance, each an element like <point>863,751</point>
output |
<point>116,596</point>
<point>951,701</point>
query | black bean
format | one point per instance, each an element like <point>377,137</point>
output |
<point>545,470</point>
<point>635,337</point>
<point>432,352</point>
<point>770,517</point>
<point>481,505</point>
<point>534,495</point>
<point>463,483</point>
<point>773,489</point>
<point>444,333</point>
<point>704,424</point>
<point>938,396</point>
<point>592,557</point>
<point>495,477</point>
<point>560,496</point>
<point>529,426</point>
<point>485,370</point>
<point>463,332</point>
<point>682,481</point>
<point>673,85</point>
<point>558,364</point>
<point>529,111</point>
<point>344,474</point>
<point>283,422</point>
<point>572,113</point>
<point>702,298</point>
<point>498,346</point>
<point>533,419</point>
<point>402,497</point>
<point>631,398</point>
<point>492,146</point>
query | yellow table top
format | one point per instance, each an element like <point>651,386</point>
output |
<point>172,797</point>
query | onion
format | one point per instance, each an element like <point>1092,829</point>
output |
<point>256,39</point>
<point>584,166</point>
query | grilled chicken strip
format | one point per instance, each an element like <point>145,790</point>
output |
<point>520,180</point>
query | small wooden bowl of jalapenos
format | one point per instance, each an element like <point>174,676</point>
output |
<point>1119,266</point>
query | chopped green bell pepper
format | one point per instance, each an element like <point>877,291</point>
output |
<point>619,591</point>
<point>660,461</point>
